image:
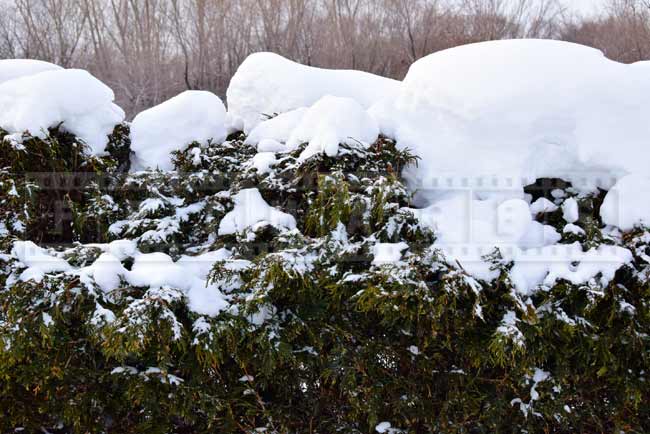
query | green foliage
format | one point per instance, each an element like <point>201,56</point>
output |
<point>43,180</point>
<point>316,337</point>
<point>331,207</point>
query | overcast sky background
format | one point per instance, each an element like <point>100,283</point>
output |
<point>585,6</point>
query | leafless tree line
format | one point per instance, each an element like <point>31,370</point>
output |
<point>149,50</point>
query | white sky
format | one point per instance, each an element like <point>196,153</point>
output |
<point>585,6</point>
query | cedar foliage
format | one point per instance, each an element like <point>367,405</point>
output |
<point>317,338</point>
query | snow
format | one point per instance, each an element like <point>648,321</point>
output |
<point>278,128</point>
<point>558,193</point>
<point>388,253</point>
<point>200,265</point>
<point>330,122</point>
<point>190,116</point>
<point>414,350</point>
<point>521,109</point>
<point>487,119</point>
<point>107,271</point>
<point>188,274</point>
<point>15,68</point>
<point>383,427</point>
<point>467,229</point>
<point>47,319</point>
<point>37,260</point>
<point>542,205</point>
<point>156,270</point>
<point>569,262</point>
<point>573,229</point>
<point>121,249</point>
<point>508,328</point>
<point>102,316</point>
<point>266,84</point>
<point>263,161</point>
<point>627,204</point>
<point>83,104</point>
<point>327,123</point>
<point>270,145</point>
<point>150,206</point>
<point>538,377</point>
<point>250,209</point>
<point>538,234</point>
<point>570,210</point>
<point>206,299</point>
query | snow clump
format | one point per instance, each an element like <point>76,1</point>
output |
<point>73,98</point>
<point>190,116</point>
<point>267,84</point>
<point>38,261</point>
<point>278,128</point>
<point>330,122</point>
<point>627,204</point>
<point>323,126</point>
<point>388,253</point>
<point>251,209</point>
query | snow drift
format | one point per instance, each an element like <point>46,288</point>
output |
<point>267,84</point>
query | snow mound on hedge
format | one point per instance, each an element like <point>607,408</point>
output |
<point>278,128</point>
<point>468,229</point>
<point>330,122</point>
<point>388,253</point>
<point>569,262</point>
<point>107,271</point>
<point>170,126</point>
<point>201,265</point>
<point>38,261</point>
<point>627,204</point>
<point>323,126</point>
<point>522,109</point>
<point>251,209</point>
<point>157,270</point>
<point>266,84</point>
<point>82,104</point>
<point>11,69</point>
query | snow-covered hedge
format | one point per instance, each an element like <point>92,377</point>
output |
<point>318,276</point>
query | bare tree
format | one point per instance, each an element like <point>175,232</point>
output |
<point>149,50</point>
<point>622,33</point>
<point>51,29</point>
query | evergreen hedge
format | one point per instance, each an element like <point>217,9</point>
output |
<point>317,339</point>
